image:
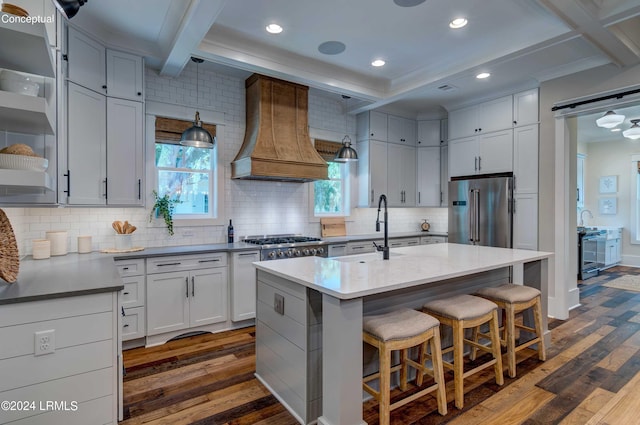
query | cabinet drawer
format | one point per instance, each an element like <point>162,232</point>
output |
<point>361,247</point>
<point>133,292</point>
<point>186,262</point>
<point>130,267</point>
<point>133,324</point>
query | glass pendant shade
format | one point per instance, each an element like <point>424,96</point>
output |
<point>196,136</point>
<point>610,120</point>
<point>68,8</point>
<point>346,152</point>
<point>633,132</point>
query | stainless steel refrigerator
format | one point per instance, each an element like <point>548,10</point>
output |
<point>480,211</point>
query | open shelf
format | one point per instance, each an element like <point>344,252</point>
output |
<point>25,180</point>
<point>25,114</point>
<point>25,47</point>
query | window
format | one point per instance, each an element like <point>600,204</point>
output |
<point>185,173</point>
<point>331,196</point>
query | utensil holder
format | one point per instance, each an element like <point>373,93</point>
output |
<point>123,242</point>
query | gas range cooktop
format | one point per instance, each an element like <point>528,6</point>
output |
<point>279,239</point>
<point>273,247</point>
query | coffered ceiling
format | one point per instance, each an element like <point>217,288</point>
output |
<point>429,66</point>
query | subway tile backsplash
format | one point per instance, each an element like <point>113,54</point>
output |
<point>256,207</point>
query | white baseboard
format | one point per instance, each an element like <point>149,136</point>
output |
<point>630,260</point>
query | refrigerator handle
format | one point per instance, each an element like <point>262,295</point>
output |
<point>476,206</point>
<point>471,209</point>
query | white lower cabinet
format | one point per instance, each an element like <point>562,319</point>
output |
<point>194,295</point>
<point>243,285</point>
<point>525,221</point>
<point>612,253</point>
<point>132,298</point>
<point>82,367</point>
<point>428,240</point>
<point>396,243</point>
<point>337,250</point>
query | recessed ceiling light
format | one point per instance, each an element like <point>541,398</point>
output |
<point>332,47</point>
<point>616,129</point>
<point>458,23</point>
<point>378,62</point>
<point>483,75</point>
<point>274,28</point>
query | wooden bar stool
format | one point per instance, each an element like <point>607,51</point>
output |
<point>515,299</point>
<point>462,312</point>
<point>401,330</point>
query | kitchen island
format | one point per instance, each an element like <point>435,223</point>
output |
<point>309,350</point>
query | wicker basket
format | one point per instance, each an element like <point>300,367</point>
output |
<point>9,258</point>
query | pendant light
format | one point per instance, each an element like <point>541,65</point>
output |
<point>633,132</point>
<point>68,8</point>
<point>610,120</point>
<point>196,136</point>
<point>346,152</point>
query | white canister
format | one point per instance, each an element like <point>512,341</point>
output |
<point>41,249</point>
<point>84,244</point>
<point>58,242</point>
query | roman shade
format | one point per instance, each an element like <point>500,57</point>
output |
<point>169,130</point>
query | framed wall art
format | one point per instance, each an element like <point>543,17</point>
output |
<point>608,205</point>
<point>608,184</point>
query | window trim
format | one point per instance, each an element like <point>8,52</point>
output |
<point>346,194</point>
<point>160,109</point>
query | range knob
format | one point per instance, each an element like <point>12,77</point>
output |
<point>305,251</point>
<point>320,251</point>
<point>297,253</point>
<point>272,255</point>
<point>290,253</point>
<point>313,251</point>
<point>280,254</point>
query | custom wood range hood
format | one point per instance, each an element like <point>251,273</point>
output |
<point>276,143</point>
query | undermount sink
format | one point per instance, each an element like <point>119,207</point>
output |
<point>365,258</point>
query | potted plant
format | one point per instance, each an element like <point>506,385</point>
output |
<point>164,207</point>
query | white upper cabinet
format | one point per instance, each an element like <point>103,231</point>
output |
<point>444,175</point>
<point>428,180</point>
<point>372,172</point>
<point>401,175</point>
<point>124,135</point>
<point>483,154</point>
<point>525,158</point>
<point>371,125</point>
<point>86,58</point>
<point>87,147</point>
<point>401,130</point>
<point>480,119</point>
<point>124,75</point>
<point>525,108</point>
<point>429,133</point>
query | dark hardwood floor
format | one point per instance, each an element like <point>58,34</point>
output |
<point>591,376</point>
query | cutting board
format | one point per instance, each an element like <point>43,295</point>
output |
<point>333,226</point>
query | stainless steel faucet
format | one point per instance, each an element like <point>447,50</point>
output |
<point>582,216</point>
<point>385,248</point>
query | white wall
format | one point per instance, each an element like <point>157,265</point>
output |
<point>256,207</point>
<point>552,215</point>
<point>612,159</point>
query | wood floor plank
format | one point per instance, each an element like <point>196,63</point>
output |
<point>617,357</point>
<point>618,404</point>
<point>527,403</point>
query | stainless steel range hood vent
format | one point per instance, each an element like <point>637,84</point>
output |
<point>276,143</point>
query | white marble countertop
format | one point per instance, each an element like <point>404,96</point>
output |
<point>355,276</point>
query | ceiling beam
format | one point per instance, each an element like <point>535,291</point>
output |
<point>196,22</point>
<point>578,17</point>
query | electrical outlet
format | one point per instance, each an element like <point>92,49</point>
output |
<point>45,342</point>
<point>278,303</point>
